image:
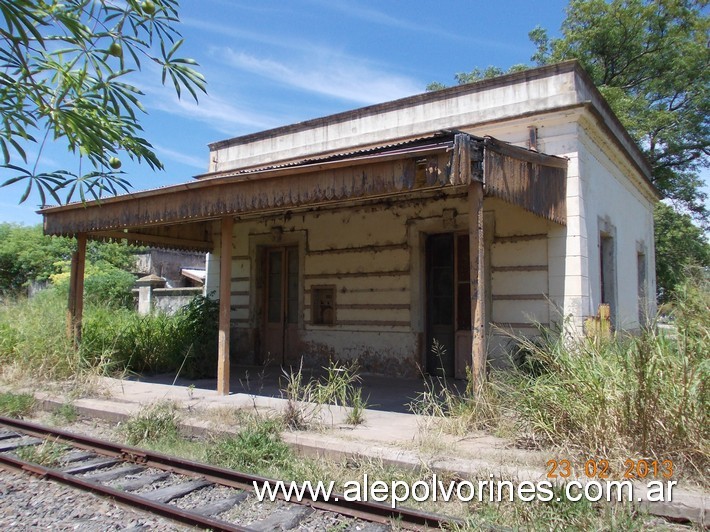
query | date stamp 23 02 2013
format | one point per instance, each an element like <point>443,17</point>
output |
<point>601,469</point>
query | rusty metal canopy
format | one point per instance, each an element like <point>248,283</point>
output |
<point>179,216</point>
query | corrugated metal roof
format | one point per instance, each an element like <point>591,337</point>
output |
<point>434,141</point>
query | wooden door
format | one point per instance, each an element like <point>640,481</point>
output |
<point>280,305</point>
<point>448,304</point>
<point>440,287</point>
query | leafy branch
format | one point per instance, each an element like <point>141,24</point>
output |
<point>64,75</point>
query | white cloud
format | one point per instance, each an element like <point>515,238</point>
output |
<point>358,11</point>
<point>261,37</point>
<point>329,74</point>
<point>213,109</point>
<point>182,158</point>
<point>355,10</point>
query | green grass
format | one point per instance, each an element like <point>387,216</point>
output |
<point>66,413</point>
<point>115,339</point>
<point>16,405</point>
<point>155,423</point>
<point>47,453</point>
<point>257,448</point>
<point>33,336</point>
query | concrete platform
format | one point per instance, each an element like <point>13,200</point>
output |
<point>393,437</point>
<point>388,394</point>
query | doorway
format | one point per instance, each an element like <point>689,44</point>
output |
<point>448,309</point>
<point>607,253</point>
<point>280,305</point>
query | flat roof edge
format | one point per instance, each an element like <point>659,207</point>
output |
<point>506,79</point>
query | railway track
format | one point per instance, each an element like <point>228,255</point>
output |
<point>167,486</point>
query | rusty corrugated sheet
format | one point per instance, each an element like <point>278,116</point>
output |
<point>223,197</point>
<point>535,182</point>
<point>403,148</point>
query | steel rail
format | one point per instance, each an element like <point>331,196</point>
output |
<point>166,510</point>
<point>366,510</point>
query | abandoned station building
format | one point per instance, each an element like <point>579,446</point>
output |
<point>452,216</point>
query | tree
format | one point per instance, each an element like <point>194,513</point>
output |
<point>477,75</point>
<point>651,61</point>
<point>679,244</point>
<point>64,72</point>
<point>27,255</point>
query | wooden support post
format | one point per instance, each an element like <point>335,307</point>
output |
<point>477,280</point>
<point>225,282</point>
<point>76,291</point>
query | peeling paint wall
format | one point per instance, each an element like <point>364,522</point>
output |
<point>519,291</point>
<point>373,256</point>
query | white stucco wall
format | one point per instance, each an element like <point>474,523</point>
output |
<point>420,115</point>
<point>612,202</point>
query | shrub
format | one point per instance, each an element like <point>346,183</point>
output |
<point>104,284</point>
<point>114,339</point>
<point>27,255</point>
<point>154,343</point>
<point>198,328</point>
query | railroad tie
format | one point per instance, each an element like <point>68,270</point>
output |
<point>169,493</point>
<point>369,527</point>
<point>119,472</point>
<point>77,456</point>
<point>22,442</point>
<point>6,434</point>
<point>91,465</point>
<point>143,480</point>
<point>284,520</point>
<point>219,507</point>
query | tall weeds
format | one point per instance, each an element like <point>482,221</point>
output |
<point>153,343</point>
<point>115,339</point>
<point>461,412</point>
<point>33,336</point>
<point>637,395</point>
<point>306,396</point>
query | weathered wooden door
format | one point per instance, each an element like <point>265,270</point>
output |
<point>280,305</point>
<point>440,304</point>
<point>448,310</point>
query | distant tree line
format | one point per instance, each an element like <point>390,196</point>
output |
<point>27,255</point>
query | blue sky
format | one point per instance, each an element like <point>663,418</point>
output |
<point>270,63</point>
